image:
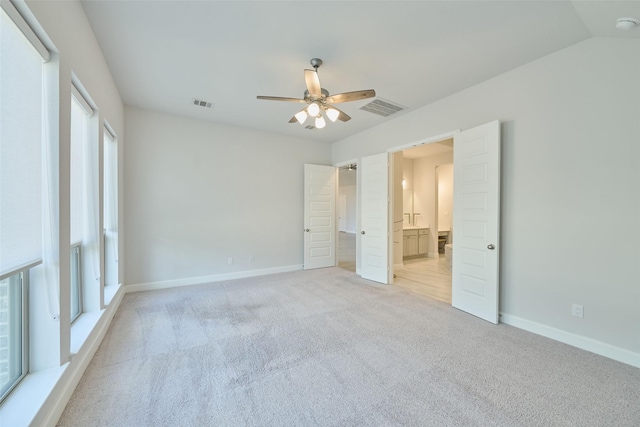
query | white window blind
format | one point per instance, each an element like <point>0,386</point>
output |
<point>110,208</point>
<point>20,148</point>
<point>21,24</point>
<point>76,170</point>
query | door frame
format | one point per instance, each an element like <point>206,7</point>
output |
<point>424,141</point>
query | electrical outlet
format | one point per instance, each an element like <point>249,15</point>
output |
<point>577,310</point>
<point>251,258</point>
<point>230,260</point>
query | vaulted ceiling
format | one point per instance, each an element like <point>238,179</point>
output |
<point>163,54</point>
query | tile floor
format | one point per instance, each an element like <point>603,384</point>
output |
<point>427,276</point>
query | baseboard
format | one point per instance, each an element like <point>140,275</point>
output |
<point>51,411</point>
<point>209,279</point>
<point>433,255</point>
<point>579,341</point>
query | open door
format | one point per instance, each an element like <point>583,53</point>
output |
<point>374,173</point>
<point>319,216</point>
<point>476,221</point>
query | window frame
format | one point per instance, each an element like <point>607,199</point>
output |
<point>23,273</point>
<point>76,253</point>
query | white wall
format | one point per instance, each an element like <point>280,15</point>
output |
<point>349,191</point>
<point>347,184</point>
<point>444,175</point>
<point>570,187</point>
<point>198,193</point>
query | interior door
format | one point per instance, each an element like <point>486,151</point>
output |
<point>374,172</point>
<point>476,221</point>
<point>319,216</point>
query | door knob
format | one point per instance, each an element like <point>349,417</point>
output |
<point>491,246</point>
<point>362,232</point>
<point>306,229</point>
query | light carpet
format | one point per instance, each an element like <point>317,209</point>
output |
<point>327,348</point>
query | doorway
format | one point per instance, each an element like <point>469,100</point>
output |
<point>423,211</point>
<point>347,214</point>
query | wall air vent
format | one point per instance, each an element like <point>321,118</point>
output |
<point>382,108</point>
<point>201,103</point>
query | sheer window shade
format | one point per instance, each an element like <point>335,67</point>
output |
<point>76,171</point>
<point>11,12</point>
<point>20,148</point>
<point>110,208</point>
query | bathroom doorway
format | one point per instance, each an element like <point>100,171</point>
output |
<point>423,233</point>
<point>347,214</point>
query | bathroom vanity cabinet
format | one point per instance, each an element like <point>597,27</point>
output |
<point>415,242</point>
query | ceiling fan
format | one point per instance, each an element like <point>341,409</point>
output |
<point>319,100</point>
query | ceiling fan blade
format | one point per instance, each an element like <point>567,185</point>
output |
<point>293,120</point>
<point>343,117</point>
<point>313,83</point>
<point>351,96</point>
<point>279,98</point>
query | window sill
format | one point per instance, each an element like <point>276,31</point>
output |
<point>81,328</point>
<point>24,402</point>
<point>110,292</point>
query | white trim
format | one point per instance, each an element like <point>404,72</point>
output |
<point>579,341</point>
<point>347,163</point>
<point>52,409</point>
<point>110,131</point>
<point>446,135</point>
<point>81,98</point>
<point>209,279</point>
<point>41,397</point>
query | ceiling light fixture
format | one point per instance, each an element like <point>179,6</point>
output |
<point>627,23</point>
<point>332,113</point>
<point>319,101</point>
<point>301,116</point>
<point>313,109</point>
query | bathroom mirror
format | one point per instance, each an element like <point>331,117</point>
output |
<point>407,206</point>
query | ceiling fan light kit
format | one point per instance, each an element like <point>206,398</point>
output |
<point>319,101</point>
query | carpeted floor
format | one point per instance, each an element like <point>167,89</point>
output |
<point>324,347</point>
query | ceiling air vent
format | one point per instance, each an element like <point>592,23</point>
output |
<point>382,108</point>
<point>310,127</point>
<point>201,103</point>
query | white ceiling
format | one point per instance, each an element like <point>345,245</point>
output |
<point>165,53</point>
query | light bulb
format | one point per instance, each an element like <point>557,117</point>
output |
<point>313,109</point>
<point>333,114</point>
<point>320,123</point>
<point>301,116</point>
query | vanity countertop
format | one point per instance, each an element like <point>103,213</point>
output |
<point>414,227</point>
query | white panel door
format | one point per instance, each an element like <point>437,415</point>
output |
<point>374,173</point>
<point>319,216</point>
<point>476,221</point>
<point>342,213</point>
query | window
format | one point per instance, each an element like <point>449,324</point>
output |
<point>81,197</point>
<point>21,190</point>
<point>13,327</point>
<point>76,282</point>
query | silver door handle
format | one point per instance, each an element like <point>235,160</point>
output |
<point>362,232</point>
<point>491,247</point>
<point>306,229</point>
